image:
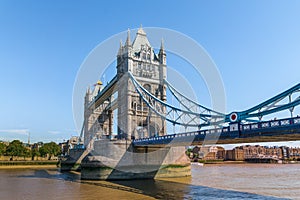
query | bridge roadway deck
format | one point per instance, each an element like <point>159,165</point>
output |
<point>271,131</point>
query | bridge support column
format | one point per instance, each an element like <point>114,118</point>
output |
<point>175,164</point>
<point>118,160</point>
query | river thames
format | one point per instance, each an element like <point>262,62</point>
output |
<point>217,181</point>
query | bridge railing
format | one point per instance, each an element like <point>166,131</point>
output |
<point>244,130</point>
<point>271,124</point>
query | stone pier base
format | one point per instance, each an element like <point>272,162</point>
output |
<point>72,162</point>
<point>117,160</point>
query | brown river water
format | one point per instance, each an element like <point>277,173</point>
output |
<point>217,181</point>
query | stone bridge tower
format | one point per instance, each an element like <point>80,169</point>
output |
<point>135,118</point>
<point>98,122</point>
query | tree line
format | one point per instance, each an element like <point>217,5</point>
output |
<point>16,148</point>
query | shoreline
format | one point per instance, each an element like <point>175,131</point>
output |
<point>53,165</point>
<point>243,162</point>
<point>28,164</point>
<point>225,162</point>
<point>28,167</point>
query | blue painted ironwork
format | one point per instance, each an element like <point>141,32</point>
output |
<point>269,128</point>
<point>200,116</point>
<point>192,114</point>
<point>280,102</point>
<point>176,116</point>
<point>190,104</point>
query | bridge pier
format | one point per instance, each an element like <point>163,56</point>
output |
<point>117,160</point>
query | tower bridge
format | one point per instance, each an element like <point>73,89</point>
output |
<point>143,148</point>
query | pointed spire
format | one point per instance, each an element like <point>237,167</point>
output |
<point>162,53</point>
<point>141,31</point>
<point>162,45</point>
<point>88,90</point>
<point>120,48</point>
<point>88,96</point>
<point>128,43</point>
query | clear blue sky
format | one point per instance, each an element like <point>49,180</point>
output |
<point>255,44</point>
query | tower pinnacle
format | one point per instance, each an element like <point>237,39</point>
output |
<point>141,31</point>
<point>162,53</point>
<point>162,48</point>
<point>128,43</point>
<point>88,90</point>
<point>120,48</point>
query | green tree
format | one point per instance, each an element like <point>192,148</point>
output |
<point>34,153</point>
<point>2,149</point>
<point>27,153</point>
<point>50,149</point>
<point>16,148</point>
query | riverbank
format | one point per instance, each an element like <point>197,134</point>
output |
<point>27,164</point>
<point>52,184</point>
<point>243,162</point>
<point>220,162</point>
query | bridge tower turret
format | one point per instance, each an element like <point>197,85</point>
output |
<point>163,69</point>
<point>97,121</point>
<point>135,119</point>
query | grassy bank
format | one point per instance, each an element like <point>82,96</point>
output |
<point>27,164</point>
